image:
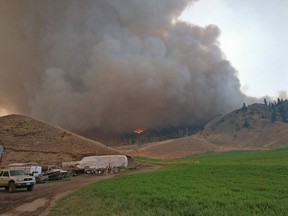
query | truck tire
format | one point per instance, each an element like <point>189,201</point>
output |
<point>11,187</point>
<point>30,188</point>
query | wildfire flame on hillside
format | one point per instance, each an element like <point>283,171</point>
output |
<point>138,131</point>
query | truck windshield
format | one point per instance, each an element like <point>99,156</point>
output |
<point>16,172</point>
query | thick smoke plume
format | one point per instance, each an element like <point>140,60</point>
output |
<point>116,65</point>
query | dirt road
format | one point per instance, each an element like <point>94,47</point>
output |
<point>37,202</point>
<point>43,196</point>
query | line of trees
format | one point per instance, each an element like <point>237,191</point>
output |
<point>278,108</point>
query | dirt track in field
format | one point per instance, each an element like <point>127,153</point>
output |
<point>43,196</point>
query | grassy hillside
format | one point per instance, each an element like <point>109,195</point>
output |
<point>234,183</point>
<point>27,139</point>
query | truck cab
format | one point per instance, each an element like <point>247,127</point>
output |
<point>13,179</point>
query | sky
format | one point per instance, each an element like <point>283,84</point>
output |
<point>253,37</point>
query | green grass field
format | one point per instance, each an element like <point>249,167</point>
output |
<point>234,183</point>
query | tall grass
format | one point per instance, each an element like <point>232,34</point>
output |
<point>235,183</point>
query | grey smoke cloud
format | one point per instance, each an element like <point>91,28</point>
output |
<point>112,64</point>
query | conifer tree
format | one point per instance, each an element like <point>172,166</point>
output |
<point>244,107</point>
<point>273,117</point>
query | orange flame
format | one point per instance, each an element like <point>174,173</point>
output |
<point>138,131</point>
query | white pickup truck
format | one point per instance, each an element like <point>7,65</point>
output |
<point>12,179</point>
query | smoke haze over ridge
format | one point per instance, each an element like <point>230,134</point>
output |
<point>111,64</point>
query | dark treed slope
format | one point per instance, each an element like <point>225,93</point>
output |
<point>26,139</point>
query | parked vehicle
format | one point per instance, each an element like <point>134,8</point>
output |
<point>55,172</point>
<point>13,179</point>
<point>30,168</point>
<point>42,178</point>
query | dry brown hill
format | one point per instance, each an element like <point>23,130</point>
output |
<point>251,127</point>
<point>257,126</point>
<point>178,148</point>
<point>27,139</point>
<point>171,149</point>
